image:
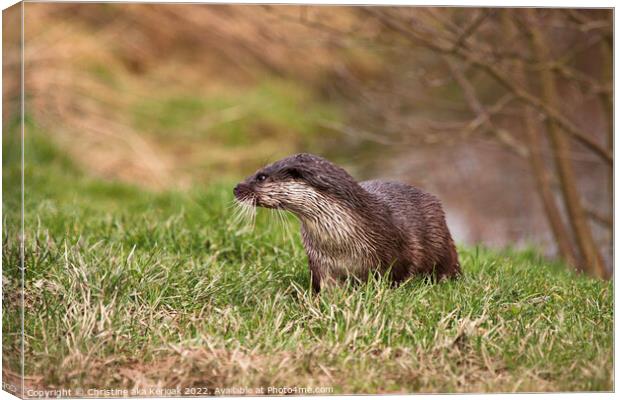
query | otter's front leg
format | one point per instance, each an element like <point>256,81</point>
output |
<point>315,275</point>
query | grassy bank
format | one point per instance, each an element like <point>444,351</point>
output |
<point>126,287</point>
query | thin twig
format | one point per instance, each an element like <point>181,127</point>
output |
<point>498,75</point>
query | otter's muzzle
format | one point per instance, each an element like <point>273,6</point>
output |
<point>238,190</point>
<point>243,192</point>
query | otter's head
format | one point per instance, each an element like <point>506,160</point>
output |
<point>301,183</point>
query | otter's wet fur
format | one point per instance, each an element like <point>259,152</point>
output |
<point>352,229</point>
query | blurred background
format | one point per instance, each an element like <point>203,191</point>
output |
<point>505,114</point>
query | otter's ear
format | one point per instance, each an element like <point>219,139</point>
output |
<point>294,173</point>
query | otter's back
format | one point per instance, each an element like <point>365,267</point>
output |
<point>409,205</point>
<point>420,217</point>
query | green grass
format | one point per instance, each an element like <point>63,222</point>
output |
<point>234,117</point>
<point>127,288</point>
<point>227,131</point>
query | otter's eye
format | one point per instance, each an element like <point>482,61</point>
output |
<point>261,177</point>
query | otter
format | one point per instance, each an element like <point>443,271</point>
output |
<point>355,230</point>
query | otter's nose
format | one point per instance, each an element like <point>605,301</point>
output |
<point>237,189</point>
<point>240,190</point>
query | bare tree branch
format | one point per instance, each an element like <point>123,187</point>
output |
<point>471,28</point>
<point>492,70</point>
<point>483,116</point>
<point>600,218</point>
<point>561,149</point>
